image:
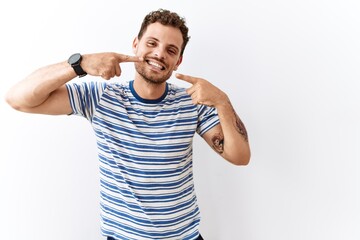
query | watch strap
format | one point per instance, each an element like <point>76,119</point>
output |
<point>75,61</point>
<point>78,70</point>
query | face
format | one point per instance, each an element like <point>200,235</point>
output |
<point>160,46</point>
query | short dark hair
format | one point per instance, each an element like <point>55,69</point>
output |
<point>166,18</point>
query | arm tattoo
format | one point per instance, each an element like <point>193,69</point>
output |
<point>218,143</point>
<point>239,125</point>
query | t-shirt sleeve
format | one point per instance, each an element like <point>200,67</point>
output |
<point>84,97</point>
<point>207,119</point>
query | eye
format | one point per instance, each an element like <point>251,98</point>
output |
<point>151,43</point>
<point>172,51</point>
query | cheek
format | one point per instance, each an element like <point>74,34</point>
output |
<point>175,64</point>
<point>141,52</point>
<point>138,50</point>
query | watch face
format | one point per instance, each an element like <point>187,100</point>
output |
<point>75,58</point>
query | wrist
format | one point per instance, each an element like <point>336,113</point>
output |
<point>223,102</point>
<point>75,62</point>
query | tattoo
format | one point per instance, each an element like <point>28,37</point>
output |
<point>218,143</point>
<point>240,127</point>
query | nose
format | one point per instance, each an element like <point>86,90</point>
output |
<point>159,52</point>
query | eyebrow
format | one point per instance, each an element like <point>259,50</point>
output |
<point>157,40</point>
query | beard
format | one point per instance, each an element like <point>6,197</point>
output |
<point>151,77</point>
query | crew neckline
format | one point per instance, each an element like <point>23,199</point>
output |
<point>143,100</point>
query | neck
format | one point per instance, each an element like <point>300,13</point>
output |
<point>148,90</point>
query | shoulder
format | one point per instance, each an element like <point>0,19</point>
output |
<point>97,87</point>
<point>116,86</point>
<point>176,91</point>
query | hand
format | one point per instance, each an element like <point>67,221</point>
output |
<point>106,65</point>
<point>203,92</point>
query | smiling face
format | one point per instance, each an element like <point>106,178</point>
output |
<point>160,46</point>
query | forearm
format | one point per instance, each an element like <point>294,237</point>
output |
<point>37,87</point>
<point>236,147</point>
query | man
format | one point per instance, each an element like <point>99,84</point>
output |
<point>144,128</point>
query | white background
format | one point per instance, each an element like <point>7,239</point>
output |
<point>291,69</point>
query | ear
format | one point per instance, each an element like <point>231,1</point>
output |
<point>178,63</point>
<point>135,44</point>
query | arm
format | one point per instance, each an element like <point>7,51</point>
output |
<point>229,138</point>
<point>44,90</point>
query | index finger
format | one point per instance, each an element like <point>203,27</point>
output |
<point>128,58</point>
<point>186,78</point>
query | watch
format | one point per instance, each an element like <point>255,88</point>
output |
<point>75,60</point>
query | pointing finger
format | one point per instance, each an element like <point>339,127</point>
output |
<point>128,58</point>
<point>186,78</point>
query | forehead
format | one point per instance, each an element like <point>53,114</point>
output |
<point>165,34</point>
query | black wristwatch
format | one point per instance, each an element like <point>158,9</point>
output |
<point>75,60</point>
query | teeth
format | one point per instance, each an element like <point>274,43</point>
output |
<point>155,64</point>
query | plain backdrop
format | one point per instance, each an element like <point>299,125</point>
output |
<point>291,70</point>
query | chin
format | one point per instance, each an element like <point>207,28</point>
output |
<point>152,78</point>
<point>154,81</point>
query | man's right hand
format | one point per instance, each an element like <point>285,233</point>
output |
<point>106,65</point>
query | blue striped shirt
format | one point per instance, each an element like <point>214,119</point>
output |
<point>145,154</point>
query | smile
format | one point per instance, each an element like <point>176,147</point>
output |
<point>155,64</point>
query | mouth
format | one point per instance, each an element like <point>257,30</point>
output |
<point>155,64</point>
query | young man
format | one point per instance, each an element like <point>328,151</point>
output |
<point>144,128</point>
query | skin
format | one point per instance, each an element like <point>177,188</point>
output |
<point>229,139</point>
<point>157,55</point>
<point>159,45</point>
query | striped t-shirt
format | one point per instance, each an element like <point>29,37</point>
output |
<point>145,155</point>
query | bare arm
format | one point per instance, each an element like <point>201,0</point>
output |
<point>229,138</point>
<point>44,90</point>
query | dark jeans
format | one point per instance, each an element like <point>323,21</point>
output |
<point>199,238</point>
